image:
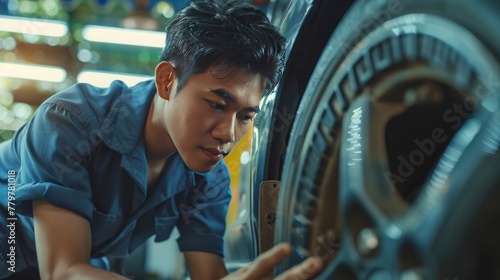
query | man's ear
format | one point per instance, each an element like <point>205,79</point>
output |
<point>165,76</point>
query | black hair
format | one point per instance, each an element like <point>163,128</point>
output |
<point>229,33</point>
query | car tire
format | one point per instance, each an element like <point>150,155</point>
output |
<point>391,168</point>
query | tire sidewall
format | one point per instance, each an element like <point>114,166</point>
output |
<point>478,17</point>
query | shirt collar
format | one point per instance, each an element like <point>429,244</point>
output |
<point>123,126</point>
<point>122,131</point>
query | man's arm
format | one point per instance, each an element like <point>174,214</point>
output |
<point>63,242</point>
<point>202,265</point>
<point>263,266</point>
<point>210,266</point>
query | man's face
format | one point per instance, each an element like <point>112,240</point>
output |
<point>210,114</point>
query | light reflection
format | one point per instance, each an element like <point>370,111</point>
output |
<point>84,55</point>
<point>245,157</point>
<point>31,38</point>
<point>7,117</point>
<point>29,26</point>
<point>53,41</point>
<point>491,141</point>
<point>22,111</point>
<point>104,79</point>
<point>50,7</point>
<point>32,72</point>
<point>113,35</point>
<point>95,57</point>
<point>13,5</point>
<point>354,137</point>
<point>6,98</point>
<point>45,86</point>
<point>393,231</point>
<point>165,9</point>
<point>28,7</point>
<point>15,117</point>
<point>8,43</point>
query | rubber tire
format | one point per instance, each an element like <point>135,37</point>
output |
<point>481,18</point>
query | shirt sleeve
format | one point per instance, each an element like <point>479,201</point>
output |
<point>54,150</point>
<point>202,221</point>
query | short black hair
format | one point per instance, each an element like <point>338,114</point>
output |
<point>229,33</point>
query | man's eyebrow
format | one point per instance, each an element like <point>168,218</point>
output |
<point>223,94</point>
<point>230,98</point>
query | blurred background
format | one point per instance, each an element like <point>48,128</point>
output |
<point>48,45</point>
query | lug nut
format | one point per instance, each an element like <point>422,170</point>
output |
<point>368,241</point>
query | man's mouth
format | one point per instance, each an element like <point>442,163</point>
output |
<point>214,153</point>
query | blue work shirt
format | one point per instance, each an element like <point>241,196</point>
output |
<point>83,150</point>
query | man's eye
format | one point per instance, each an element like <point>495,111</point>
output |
<point>246,118</point>
<point>216,106</point>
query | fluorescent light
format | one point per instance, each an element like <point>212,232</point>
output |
<point>103,79</point>
<point>32,72</point>
<point>114,35</point>
<point>42,27</point>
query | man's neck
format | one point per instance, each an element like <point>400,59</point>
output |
<point>158,144</point>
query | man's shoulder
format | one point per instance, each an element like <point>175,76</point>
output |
<point>82,98</point>
<point>97,106</point>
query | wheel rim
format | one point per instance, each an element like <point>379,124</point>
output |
<point>383,227</point>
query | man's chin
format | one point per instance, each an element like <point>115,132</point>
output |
<point>198,168</point>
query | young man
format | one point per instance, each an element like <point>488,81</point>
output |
<point>97,171</point>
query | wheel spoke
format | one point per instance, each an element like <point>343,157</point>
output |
<point>460,176</point>
<point>364,167</point>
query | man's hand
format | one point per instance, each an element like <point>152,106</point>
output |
<point>263,266</point>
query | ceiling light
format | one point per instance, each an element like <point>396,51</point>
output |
<point>114,35</point>
<point>41,27</point>
<point>32,72</point>
<point>104,79</point>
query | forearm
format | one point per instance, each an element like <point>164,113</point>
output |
<point>205,266</point>
<point>215,274</point>
<point>83,272</point>
<point>63,241</point>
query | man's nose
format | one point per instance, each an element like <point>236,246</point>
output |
<point>225,130</point>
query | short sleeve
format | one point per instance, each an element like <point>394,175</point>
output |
<point>202,220</point>
<point>54,150</point>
